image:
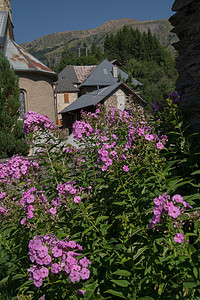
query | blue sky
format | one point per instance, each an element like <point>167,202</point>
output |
<point>35,18</point>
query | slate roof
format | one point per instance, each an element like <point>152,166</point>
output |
<point>21,60</point>
<point>95,97</point>
<point>102,75</point>
<point>3,25</point>
<point>65,86</point>
<point>69,74</point>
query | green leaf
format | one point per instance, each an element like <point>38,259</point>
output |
<point>90,288</point>
<point>190,283</point>
<point>4,280</point>
<point>122,273</point>
<point>196,172</point>
<point>140,251</point>
<point>195,272</point>
<point>101,218</point>
<point>123,283</point>
<point>115,293</point>
<point>18,276</point>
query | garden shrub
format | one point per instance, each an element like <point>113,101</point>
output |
<point>113,219</point>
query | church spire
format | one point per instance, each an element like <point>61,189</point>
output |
<point>5,5</point>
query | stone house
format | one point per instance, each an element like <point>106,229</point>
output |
<point>36,81</point>
<point>67,90</point>
<point>77,85</point>
<point>117,95</point>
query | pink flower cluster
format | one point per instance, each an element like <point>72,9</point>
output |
<point>119,136</point>
<point>68,190</point>
<point>80,129</point>
<point>15,168</point>
<point>34,122</point>
<point>174,209</point>
<point>52,256</point>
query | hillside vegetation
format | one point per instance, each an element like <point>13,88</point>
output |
<point>49,48</point>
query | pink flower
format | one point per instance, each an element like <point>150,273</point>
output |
<point>38,283</point>
<point>174,211</point>
<point>37,274</point>
<point>179,238</point>
<point>55,268</point>
<point>84,262</point>
<point>56,252</point>
<point>85,273</point>
<point>77,199</point>
<point>126,168</point>
<point>149,137</point>
<point>74,276</point>
<point>53,210</point>
<point>44,272</point>
<point>47,260</point>
<point>23,221</point>
<point>42,252</point>
<point>160,145</point>
<point>82,292</point>
<point>177,198</point>
<point>71,244</point>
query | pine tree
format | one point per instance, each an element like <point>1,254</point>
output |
<point>11,133</point>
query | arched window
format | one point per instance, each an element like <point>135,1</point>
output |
<point>22,101</point>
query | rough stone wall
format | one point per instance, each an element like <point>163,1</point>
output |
<point>186,22</point>
<point>39,93</point>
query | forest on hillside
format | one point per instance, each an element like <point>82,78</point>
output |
<point>141,56</point>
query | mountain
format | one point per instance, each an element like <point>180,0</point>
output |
<point>48,48</point>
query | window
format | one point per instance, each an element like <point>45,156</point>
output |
<point>22,106</point>
<point>66,98</point>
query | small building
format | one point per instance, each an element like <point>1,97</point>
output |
<point>36,81</point>
<point>76,81</point>
<point>67,90</point>
<point>117,95</point>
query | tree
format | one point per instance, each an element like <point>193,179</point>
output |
<point>11,133</point>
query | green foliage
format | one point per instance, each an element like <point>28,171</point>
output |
<point>11,133</point>
<point>157,79</point>
<point>129,260</point>
<point>132,44</point>
<point>145,59</point>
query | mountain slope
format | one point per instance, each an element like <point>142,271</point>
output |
<point>48,48</point>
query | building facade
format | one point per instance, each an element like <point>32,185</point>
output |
<point>36,81</point>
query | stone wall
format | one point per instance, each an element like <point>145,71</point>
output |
<point>186,22</point>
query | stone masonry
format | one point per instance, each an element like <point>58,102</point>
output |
<point>186,22</point>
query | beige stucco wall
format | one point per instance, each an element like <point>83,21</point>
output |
<point>39,93</point>
<point>61,104</point>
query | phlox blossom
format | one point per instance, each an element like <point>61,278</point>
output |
<point>77,199</point>
<point>56,252</point>
<point>53,210</point>
<point>160,145</point>
<point>85,273</point>
<point>179,238</point>
<point>126,168</point>
<point>174,211</point>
